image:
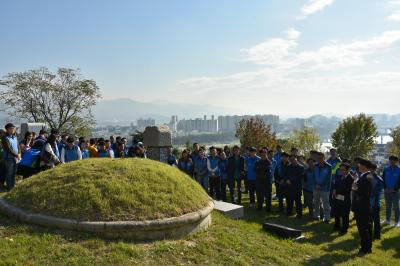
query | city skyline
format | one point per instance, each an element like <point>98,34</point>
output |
<point>291,59</point>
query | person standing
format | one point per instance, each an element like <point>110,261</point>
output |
<point>334,160</point>
<point>104,151</point>
<point>293,182</point>
<point>279,176</point>
<point>361,188</point>
<point>323,178</point>
<point>70,152</point>
<point>251,173</point>
<point>214,173</point>
<point>2,170</point>
<point>235,173</point>
<point>391,177</point>
<point>11,155</point>
<point>50,155</point>
<point>185,163</point>
<point>377,188</point>
<point>171,159</point>
<point>201,170</point>
<point>263,169</point>
<point>92,148</point>
<point>84,150</point>
<point>223,169</point>
<point>341,198</point>
<point>26,144</point>
<point>308,186</point>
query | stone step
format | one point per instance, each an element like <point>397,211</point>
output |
<point>282,231</point>
<point>228,209</point>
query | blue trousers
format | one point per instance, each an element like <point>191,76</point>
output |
<point>10,171</point>
<point>203,181</point>
<point>392,200</point>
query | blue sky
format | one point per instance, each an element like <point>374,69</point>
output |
<point>297,57</point>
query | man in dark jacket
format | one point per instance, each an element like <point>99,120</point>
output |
<point>341,199</point>
<point>362,187</point>
<point>279,176</point>
<point>293,181</point>
<point>235,174</point>
<point>376,193</point>
<point>263,169</point>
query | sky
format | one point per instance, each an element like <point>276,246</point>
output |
<point>287,57</point>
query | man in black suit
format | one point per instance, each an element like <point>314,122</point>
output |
<point>362,188</point>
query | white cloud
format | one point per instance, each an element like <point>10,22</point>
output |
<point>292,33</point>
<point>280,52</point>
<point>394,17</point>
<point>314,6</point>
<point>286,75</point>
<point>394,6</point>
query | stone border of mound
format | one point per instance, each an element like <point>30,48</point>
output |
<point>173,227</point>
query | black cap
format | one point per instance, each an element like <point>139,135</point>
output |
<point>9,125</point>
<point>393,158</point>
<point>252,149</point>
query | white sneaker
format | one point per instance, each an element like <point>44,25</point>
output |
<point>385,222</point>
<point>398,225</point>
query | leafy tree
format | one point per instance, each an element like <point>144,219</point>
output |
<point>395,145</point>
<point>355,136</point>
<point>254,132</point>
<point>63,100</point>
<point>305,140</point>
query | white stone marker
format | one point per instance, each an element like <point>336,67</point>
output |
<point>228,209</point>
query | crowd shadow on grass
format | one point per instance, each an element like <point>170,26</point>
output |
<point>392,243</point>
<point>317,231</point>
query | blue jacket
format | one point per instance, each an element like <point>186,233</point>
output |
<point>85,154</point>
<point>186,166</point>
<point>31,158</point>
<point>309,183</point>
<point>274,165</point>
<point>213,165</point>
<point>250,163</point>
<point>391,176</point>
<point>323,176</point>
<point>171,160</point>
<point>105,154</point>
<point>70,154</point>
<point>377,188</point>
<point>278,158</point>
<point>223,168</point>
<point>200,167</point>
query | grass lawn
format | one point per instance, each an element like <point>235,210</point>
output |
<point>227,242</point>
<point>110,190</point>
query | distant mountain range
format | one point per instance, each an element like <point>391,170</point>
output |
<point>124,111</point>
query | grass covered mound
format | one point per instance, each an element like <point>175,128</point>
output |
<point>110,190</point>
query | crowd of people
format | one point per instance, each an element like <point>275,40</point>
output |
<point>326,187</point>
<point>44,151</point>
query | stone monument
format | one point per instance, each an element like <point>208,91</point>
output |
<point>157,140</point>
